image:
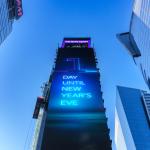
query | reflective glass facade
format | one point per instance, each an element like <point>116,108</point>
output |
<point>75,114</point>
<point>131,120</point>
<point>9,10</point>
<point>137,40</point>
<point>140,29</point>
<point>5,22</point>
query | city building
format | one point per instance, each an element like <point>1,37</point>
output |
<point>137,40</point>
<point>132,119</point>
<point>70,114</point>
<point>9,10</point>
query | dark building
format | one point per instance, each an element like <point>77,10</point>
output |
<point>137,40</point>
<point>9,10</point>
<point>70,114</point>
<point>132,119</point>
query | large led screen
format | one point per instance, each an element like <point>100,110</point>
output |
<point>76,91</point>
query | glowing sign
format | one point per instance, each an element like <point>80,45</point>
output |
<point>19,11</point>
<point>72,91</point>
<point>76,63</point>
<point>78,91</point>
<point>77,41</point>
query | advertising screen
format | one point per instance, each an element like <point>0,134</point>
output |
<point>78,91</point>
<point>19,10</point>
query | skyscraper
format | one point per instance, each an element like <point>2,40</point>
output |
<point>132,119</point>
<point>9,10</point>
<point>137,40</point>
<point>70,114</point>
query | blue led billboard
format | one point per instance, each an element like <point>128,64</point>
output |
<point>75,116</point>
<point>75,91</point>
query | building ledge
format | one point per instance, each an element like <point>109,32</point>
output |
<point>128,41</point>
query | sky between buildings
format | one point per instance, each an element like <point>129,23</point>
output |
<point>27,56</point>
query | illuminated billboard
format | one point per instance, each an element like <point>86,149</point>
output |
<point>18,9</point>
<point>85,42</point>
<point>75,116</point>
<point>78,91</point>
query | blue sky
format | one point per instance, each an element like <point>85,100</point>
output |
<point>27,55</point>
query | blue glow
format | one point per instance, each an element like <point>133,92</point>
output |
<point>77,67</point>
<point>71,94</point>
<point>76,63</point>
<point>71,88</point>
<point>76,82</point>
<point>77,91</point>
<point>90,71</point>
<point>76,95</point>
<point>76,116</point>
<point>66,77</point>
<point>69,103</point>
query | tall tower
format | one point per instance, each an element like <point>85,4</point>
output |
<point>70,114</point>
<point>9,10</point>
<point>132,119</point>
<point>137,40</point>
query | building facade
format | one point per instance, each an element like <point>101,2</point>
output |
<point>137,40</point>
<point>132,119</point>
<point>74,114</point>
<point>9,10</point>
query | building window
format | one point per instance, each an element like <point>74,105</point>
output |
<point>146,104</point>
<point>143,73</point>
<point>148,81</point>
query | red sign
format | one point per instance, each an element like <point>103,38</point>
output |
<point>19,10</point>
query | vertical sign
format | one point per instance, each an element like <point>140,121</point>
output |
<point>19,10</point>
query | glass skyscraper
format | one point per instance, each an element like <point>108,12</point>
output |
<point>132,112</point>
<point>132,119</point>
<point>137,40</point>
<point>70,114</point>
<point>9,10</point>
